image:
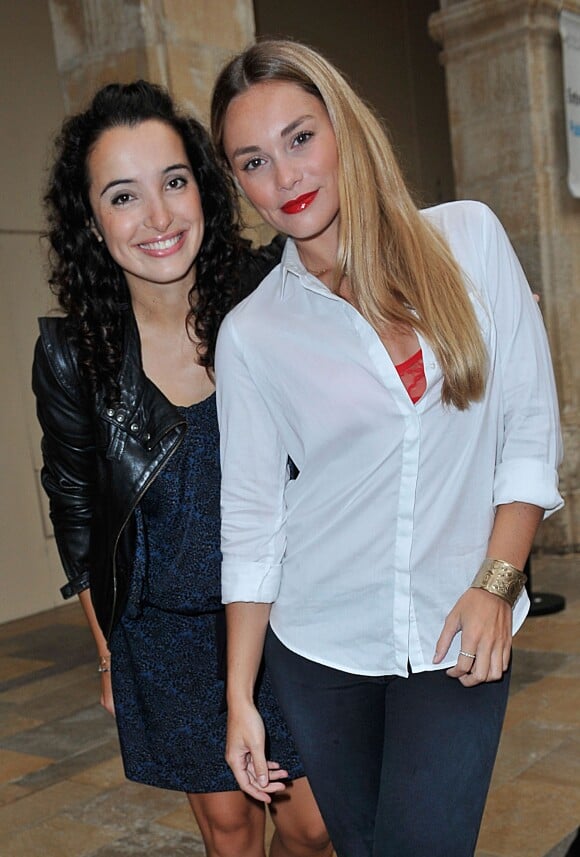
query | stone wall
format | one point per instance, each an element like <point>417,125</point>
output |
<point>178,43</point>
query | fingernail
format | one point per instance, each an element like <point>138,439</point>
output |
<point>263,780</point>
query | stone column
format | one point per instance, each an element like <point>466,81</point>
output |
<point>179,43</point>
<point>503,63</point>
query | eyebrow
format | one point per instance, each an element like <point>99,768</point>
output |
<point>247,150</point>
<point>168,169</point>
<point>293,125</point>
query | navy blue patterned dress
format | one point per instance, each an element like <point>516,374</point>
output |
<point>167,649</point>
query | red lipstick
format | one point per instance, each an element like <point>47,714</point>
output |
<point>295,206</point>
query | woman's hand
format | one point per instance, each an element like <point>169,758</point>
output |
<point>246,757</point>
<point>107,693</point>
<point>485,622</point>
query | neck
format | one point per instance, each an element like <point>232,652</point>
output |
<point>160,313</point>
<point>318,264</point>
<point>318,254</point>
<point>163,308</point>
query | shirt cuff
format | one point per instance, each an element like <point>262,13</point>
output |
<point>250,581</point>
<point>525,480</point>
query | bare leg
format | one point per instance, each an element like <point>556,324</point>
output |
<point>300,830</point>
<point>231,823</point>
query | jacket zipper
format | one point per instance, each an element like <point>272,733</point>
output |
<point>145,488</point>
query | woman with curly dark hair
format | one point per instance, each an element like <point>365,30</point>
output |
<point>146,259</point>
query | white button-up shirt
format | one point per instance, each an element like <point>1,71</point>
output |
<point>365,553</point>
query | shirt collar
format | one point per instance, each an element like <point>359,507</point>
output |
<point>292,266</point>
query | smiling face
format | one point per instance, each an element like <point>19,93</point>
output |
<point>282,150</point>
<point>146,204</point>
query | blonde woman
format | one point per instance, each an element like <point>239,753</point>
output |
<point>396,364</point>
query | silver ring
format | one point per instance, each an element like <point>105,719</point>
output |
<point>466,654</point>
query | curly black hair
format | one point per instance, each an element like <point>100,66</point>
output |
<point>89,285</point>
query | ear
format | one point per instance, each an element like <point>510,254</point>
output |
<point>239,188</point>
<point>95,230</point>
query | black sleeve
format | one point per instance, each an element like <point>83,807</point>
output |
<point>68,451</point>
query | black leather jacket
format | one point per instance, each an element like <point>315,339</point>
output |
<point>98,461</point>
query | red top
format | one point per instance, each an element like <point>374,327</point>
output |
<point>412,374</point>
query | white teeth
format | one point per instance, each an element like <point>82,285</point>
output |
<point>162,245</point>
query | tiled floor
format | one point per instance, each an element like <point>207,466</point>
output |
<point>63,794</point>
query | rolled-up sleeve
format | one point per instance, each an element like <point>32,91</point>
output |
<point>527,467</point>
<point>254,473</point>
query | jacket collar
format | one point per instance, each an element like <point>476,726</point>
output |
<point>143,410</point>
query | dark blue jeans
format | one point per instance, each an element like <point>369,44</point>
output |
<point>400,766</point>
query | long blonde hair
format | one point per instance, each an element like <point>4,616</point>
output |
<point>399,266</point>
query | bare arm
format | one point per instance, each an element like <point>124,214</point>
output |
<point>245,753</point>
<point>514,531</point>
<point>484,619</point>
<point>102,650</point>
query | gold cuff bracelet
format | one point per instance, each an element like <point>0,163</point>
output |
<point>500,578</point>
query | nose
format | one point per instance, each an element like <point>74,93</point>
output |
<point>288,173</point>
<point>159,215</point>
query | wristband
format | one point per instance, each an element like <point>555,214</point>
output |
<point>500,578</point>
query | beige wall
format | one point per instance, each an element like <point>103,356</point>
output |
<point>30,110</point>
